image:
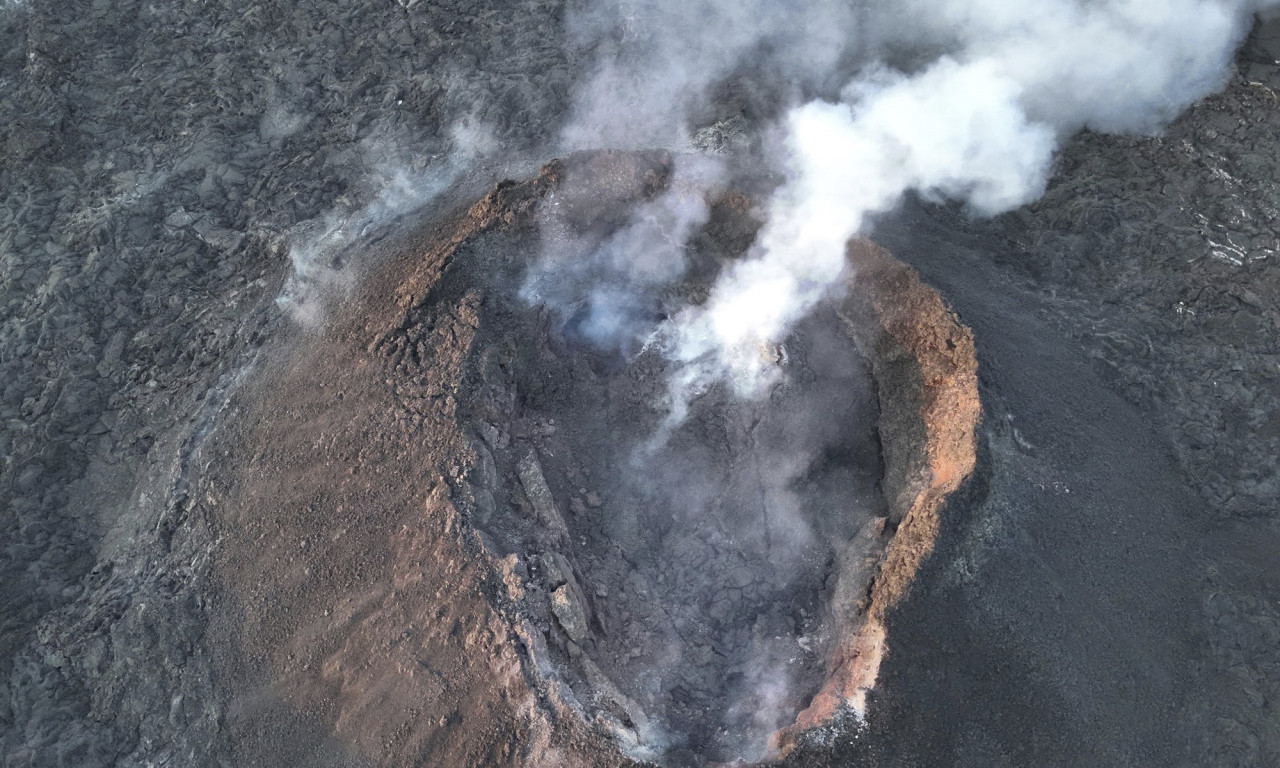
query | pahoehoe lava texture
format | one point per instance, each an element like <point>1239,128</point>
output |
<point>166,156</point>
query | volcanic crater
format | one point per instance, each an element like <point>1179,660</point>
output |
<point>705,598</point>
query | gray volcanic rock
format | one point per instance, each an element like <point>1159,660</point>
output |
<point>158,159</point>
<point>1103,595</point>
<point>1109,582</point>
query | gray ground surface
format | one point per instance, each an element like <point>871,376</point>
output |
<point>1105,593</point>
<point>157,161</point>
<point>1108,587</point>
<point>1066,581</point>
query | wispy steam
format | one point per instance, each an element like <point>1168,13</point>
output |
<point>319,249</point>
<point>659,61</point>
<point>963,100</point>
<point>951,99</point>
<point>607,281</point>
<point>978,122</point>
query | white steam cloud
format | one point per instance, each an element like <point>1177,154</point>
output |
<point>658,61</point>
<point>992,88</point>
<point>607,282</point>
<point>856,104</point>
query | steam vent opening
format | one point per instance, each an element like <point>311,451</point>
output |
<point>703,593</point>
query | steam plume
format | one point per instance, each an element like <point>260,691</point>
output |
<point>992,87</point>
<point>608,282</point>
<point>659,61</point>
<point>963,100</point>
